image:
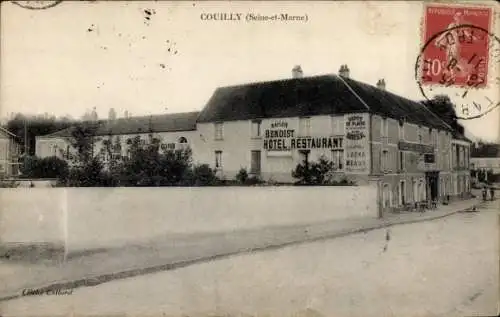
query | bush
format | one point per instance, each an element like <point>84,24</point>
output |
<point>318,173</point>
<point>201,175</point>
<point>90,175</point>
<point>313,173</point>
<point>242,176</point>
<point>47,167</point>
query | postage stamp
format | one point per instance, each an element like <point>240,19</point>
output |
<point>456,46</point>
<point>459,58</point>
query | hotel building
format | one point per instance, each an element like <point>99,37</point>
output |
<point>370,134</point>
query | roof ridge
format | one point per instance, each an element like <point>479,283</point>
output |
<point>435,115</point>
<point>353,92</point>
<point>254,83</point>
<point>8,132</point>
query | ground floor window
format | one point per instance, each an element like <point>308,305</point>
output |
<point>218,159</point>
<point>255,162</point>
<point>338,159</point>
<point>304,155</point>
<point>386,196</point>
<point>421,190</point>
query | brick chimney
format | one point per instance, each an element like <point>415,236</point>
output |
<point>381,84</point>
<point>297,72</point>
<point>344,71</point>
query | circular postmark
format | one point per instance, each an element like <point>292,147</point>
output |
<point>37,5</point>
<point>461,63</point>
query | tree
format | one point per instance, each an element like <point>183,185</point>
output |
<point>313,173</point>
<point>47,167</point>
<point>83,138</point>
<point>321,172</point>
<point>28,127</point>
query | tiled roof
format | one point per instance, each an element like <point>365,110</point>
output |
<point>282,98</point>
<point>308,96</point>
<point>134,125</point>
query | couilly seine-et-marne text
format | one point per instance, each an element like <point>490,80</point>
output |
<point>234,16</point>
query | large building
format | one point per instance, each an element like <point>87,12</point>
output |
<point>9,154</point>
<point>370,134</point>
<point>486,157</point>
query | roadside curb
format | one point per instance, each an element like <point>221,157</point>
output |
<point>132,272</point>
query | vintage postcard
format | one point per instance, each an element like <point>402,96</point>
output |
<point>240,158</point>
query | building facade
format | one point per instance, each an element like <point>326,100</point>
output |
<point>9,154</point>
<point>486,164</point>
<point>268,128</point>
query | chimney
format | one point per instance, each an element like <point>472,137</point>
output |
<point>381,84</point>
<point>344,71</point>
<point>297,72</point>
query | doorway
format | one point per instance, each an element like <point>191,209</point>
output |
<point>402,191</point>
<point>432,180</point>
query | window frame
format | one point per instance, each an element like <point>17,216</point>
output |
<point>305,123</point>
<point>218,159</point>
<point>258,134</point>
<point>341,159</point>
<point>218,133</point>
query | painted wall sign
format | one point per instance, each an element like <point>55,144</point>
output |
<point>356,160</point>
<point>355,135</point>
<point>167,146</point>
<point>287,144</point>
<point>279,137</point>
<point>356,143</point>
<point>415,147</point>
<point>356,122</point>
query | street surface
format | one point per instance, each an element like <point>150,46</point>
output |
<point>445,267</point>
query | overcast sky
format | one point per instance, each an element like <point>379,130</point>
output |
<point>79,55</point>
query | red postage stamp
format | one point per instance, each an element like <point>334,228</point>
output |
<point>456,45</point>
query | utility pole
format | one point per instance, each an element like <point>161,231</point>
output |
<point>25,136</point>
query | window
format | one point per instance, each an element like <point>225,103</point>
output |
<point>256,128</point>
<point>384,131</point>
<point>466,157</point>
<point>183,143</point>
<point>255,164</point>
<point>305,126</point>
<point>386,199</point>
<point>337,125</point>
<point>401,160</point>
<point>385,160</point>
<point>103,155</point>
<point>401,131</point>
<point>304,155</point>
<point>338,159</point>
<point>218,159</point>
<point>219,131</point>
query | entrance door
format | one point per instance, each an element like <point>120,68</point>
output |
<point>255,163</point>
<point>402,191</point>
<point>415,191</point>
<point>433,185</point>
